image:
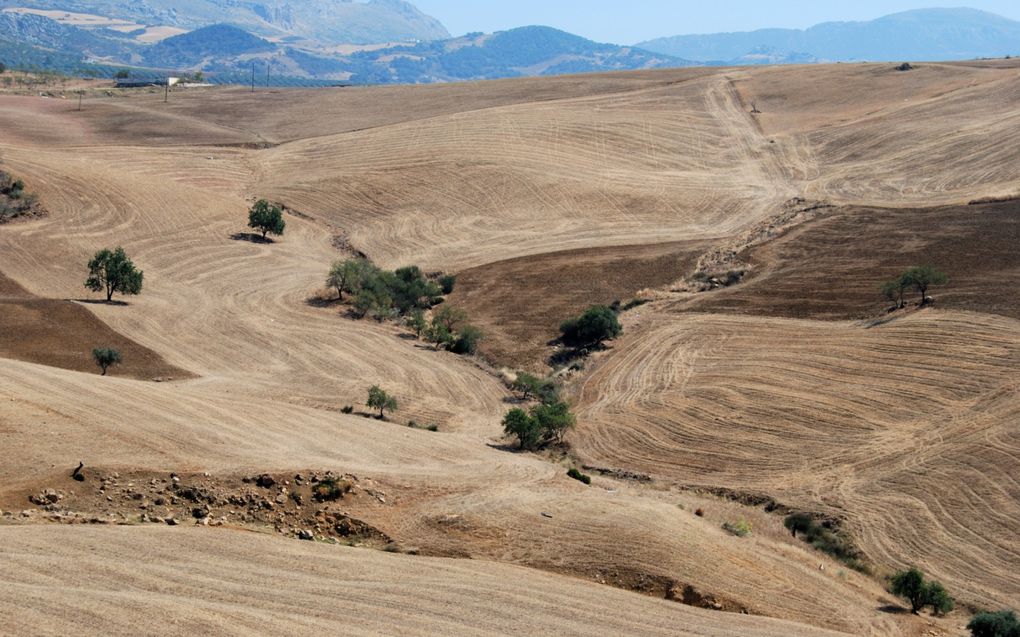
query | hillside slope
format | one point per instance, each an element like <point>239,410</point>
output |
<point>710,401</point>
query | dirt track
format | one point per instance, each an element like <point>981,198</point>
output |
<point>825,415</point>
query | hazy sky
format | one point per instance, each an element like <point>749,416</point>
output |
<point>630,21</point>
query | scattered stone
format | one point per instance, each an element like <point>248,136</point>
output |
<point>265,481</point>
<point>171,521</point>
<point>305,534</point>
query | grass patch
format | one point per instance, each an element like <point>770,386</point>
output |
<point>331,489</point>
<point>741,528</point>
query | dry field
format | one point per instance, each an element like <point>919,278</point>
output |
<point>544,196</point>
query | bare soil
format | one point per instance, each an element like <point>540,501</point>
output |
<point>63,334</point>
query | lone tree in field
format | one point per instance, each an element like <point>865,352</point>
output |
<point>912,586</point>
<point>113,272</point>
<point>923,277</point>
<point>379,399</point>
<point>599,323</point>
<point>266,218</point>
<point>1001,624</point>
<point>106,358</point>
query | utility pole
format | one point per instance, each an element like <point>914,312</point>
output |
<point>80,94</point>
<point>166,90</point>
<point>253,76</point>
<point>268,64</point>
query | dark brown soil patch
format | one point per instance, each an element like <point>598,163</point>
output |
<point>832,267</point>
<point>63,334</point>
<point>519,303</point>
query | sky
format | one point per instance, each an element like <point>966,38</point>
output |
<point>632,21</point>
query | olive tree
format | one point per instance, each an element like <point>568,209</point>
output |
<point>911,585</point>
<point>105,358</point>
<point>379,399</point>
<point>924,277</point>
<point>524,427</point>
<point>1003,623</point>
<point>266,218</point>
<point>112,271</point>
<point>347,275</point>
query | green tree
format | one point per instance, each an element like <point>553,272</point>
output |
<point>527,385</point>
<point>520,424</point>
<point>266,218</point>
<point>450,318</point>
<point>938,598</point>
<point>1003,623</point>
<point>122,74</point>
<point>894,291</point>
<point>3,68</point>
<point>799,523</point>
<point>554,420</point>
<point>438,335</point>
<point>924,277</point>
<point>113,271</point>
<point>106,358</point>
<point>599,323</point>
<point>912,586</point>
<point>467,340</point>
<point>417,323</point>
<point>379,399</point>
<point>347,275</point>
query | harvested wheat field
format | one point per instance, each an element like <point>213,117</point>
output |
<point>792,390</point>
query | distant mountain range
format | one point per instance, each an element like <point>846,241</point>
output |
<point>389,41</point>
<point>924,34</point>
<point>321,22</point>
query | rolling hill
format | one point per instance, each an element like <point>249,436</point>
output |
<point>795,389</point>
<point>923,34</point>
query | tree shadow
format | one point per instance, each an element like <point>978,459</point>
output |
<point>509,447</point>
<point>893,609</point>
<point>318,301</point>
<point>102,302</point>
<point>407,337</point>
<point>251,237</point>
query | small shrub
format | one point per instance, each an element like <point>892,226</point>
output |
<point>740,529</point>
<point>447,282</point>
<point>699,512</point>
<point>1003,623</point>
<point>466,342</point>
<point>432,428</point>
<point>580,477</point>
<point>331,489</point>
<point>349,409</point>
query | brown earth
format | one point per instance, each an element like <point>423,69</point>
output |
<point>63,334</point>
<point>546,289</point>
<point>832,267</point>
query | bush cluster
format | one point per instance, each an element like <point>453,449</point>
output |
<point>598,323</point>
<point>406,293</point>
<point>1003,623</point>
<point>541,425</point>
<point>14,201</point>
<point>824,539</point>
<point>329,489</point>
<point>580,477</point>
<point>531,386</point>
